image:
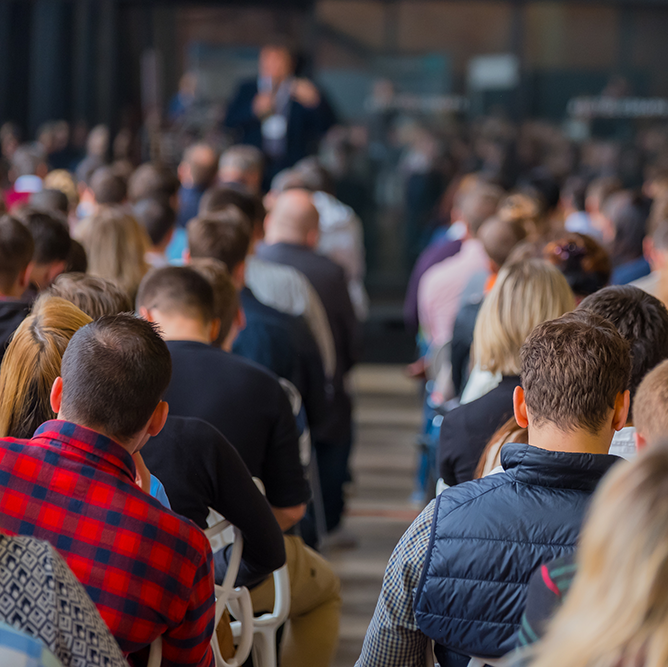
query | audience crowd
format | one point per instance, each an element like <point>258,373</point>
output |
<point>180,340</point>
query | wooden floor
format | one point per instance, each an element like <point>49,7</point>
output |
<point>387,418</point>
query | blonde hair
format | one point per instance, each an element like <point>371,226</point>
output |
<point>616,612</point>
<point>61,179</point>
<point>650,405</point>
<point>525,294</point>
<point>115,245</point>
<point>32,363</point>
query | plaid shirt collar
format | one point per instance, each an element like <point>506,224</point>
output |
<point>96,449</point>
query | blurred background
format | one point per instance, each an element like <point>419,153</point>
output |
<point>423,90</point>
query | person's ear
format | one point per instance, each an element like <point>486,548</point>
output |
<point>520,408</point>
<point>145,314</point>
<point>158,418</point>
<point>641,443</point>
<point>186,256</point>
<point>621,411</point>
<point>24,276</point>
<point>55,270</point>
<point>312,238</point>
<point>239,275</point>
<point>214,329</point>
<point>56,396</point>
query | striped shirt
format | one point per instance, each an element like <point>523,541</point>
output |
<point>393,638</point>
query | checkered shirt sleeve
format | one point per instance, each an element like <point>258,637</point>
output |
<point>393,638</point>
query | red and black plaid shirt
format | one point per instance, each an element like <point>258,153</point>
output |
<point>148,570</point>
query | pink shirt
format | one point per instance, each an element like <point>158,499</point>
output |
<point>441,287</point>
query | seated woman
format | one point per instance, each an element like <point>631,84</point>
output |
<point>43,599</point>
<point>29,368</point>
<point>524,295</point>
<point>616,611</point>
<point>628,216</point>
<point>116,245</point>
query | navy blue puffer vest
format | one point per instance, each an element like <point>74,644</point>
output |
<point>488,536</point>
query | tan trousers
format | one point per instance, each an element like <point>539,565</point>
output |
<point>312,631</point>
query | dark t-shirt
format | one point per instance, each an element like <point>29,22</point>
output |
<point>247,404</point>
<point>284,344</point>
<point>466,430</point>
<point>200,469</point>
<point>12,313</point>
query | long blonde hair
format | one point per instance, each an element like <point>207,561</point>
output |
<point>525,294</point>
<point>115,245</point>
<point>616,612</point>
<point>32,363</point>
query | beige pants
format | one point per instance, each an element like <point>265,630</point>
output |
<point>312,631</point>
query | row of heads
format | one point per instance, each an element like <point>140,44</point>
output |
<point>572,368</point>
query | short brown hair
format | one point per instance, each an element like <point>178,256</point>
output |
<point>150,181</point>
<point>115,371</point>
<point>225,295</point>
<point>641,319</point>
<point>16,249</point>
<point>93,295</point>
<point>107,186</point>
<point>650,408</point>
<point>572,370</point>
<point>177,289</point>
<point>224,235</point>
<point>479,204</point>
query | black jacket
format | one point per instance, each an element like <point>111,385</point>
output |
<point>12,313</point>
<point>329,281</point>
<point>466,430</point>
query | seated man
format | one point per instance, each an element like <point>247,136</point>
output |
<point>16,250</point>
<point>247,404</point>
<point>291,238</point>
<point>552,581</point>
<point>158,218</point>
<point>642,320</point>
<point>148,570</point>
<point>52,247</point>
<point>278,341</point>
<point>459,574</point>
<point>275,285</point>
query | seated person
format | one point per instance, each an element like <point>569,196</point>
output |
<point>642,320</point>
<point>159,220</point>
<point>46,601</point>
<point>627,215</point>
<point>552,581</point>
<point>52,247</point>
<point>278,341</point>
<point>275,285</point>
<point>16,251</point>
<point>201,470</point>
<point>93,295</point>
<point>147,569</point>
<point>538,292</point>
<point>247,404</point>
<point>32,363</point>
<point>459,574</point>
<point>615,612</point>
<point>499,236</point>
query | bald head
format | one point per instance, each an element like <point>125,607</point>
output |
<point>293,219</point>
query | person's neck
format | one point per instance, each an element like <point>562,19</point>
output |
<point>15,292</point>
<point>289,239</point>
<point>130,446</point>
<point>578,441</point>
<point>183,328</point>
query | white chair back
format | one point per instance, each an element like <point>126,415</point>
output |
<point>220,534</point>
